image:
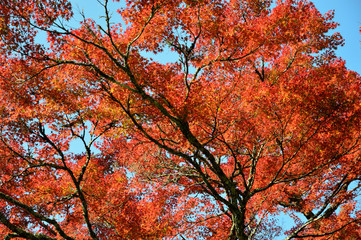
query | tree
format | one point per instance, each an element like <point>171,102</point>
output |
<point>252,117</point>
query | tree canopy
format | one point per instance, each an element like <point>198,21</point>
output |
<point>251,117</point>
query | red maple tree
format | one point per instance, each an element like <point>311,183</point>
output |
<point>252,117</point>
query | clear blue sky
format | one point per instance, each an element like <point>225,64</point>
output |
<point>348,15</point>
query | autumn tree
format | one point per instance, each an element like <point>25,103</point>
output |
<point>251,117</point>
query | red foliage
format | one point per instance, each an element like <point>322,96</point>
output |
<point>253,116</point>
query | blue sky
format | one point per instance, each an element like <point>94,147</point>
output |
<point>348,15</point>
